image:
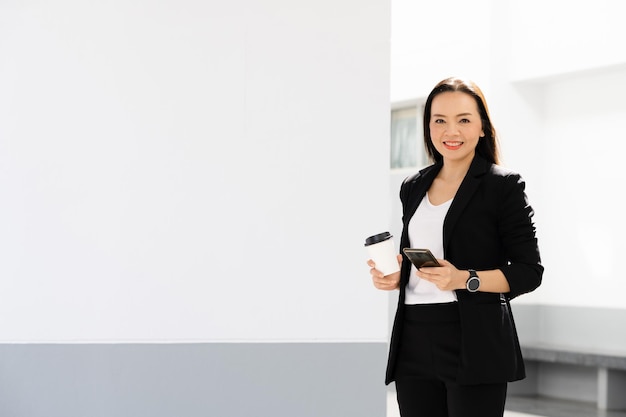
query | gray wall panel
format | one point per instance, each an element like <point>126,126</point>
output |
<point>587,328</point>
<point>225,380</point>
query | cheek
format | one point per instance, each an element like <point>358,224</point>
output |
<point>435,130</point>
<point>471,132</point>
<point>477,133</point>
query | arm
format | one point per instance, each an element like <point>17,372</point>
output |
<point>447,277</point>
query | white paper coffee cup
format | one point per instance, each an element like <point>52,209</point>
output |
<point>381,249</point>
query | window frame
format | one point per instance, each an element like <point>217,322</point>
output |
<point>421,158</point>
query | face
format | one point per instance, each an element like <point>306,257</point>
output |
<point>455,125</point>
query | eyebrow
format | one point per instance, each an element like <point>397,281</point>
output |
<point>458,115</point>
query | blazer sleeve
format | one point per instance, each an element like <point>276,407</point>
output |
<point>523,269</point>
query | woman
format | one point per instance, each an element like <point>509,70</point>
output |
<point>454,346</point>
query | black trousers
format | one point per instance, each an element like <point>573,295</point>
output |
<point>428,361</point>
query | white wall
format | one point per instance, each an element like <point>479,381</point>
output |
<point>192,170</point>
<point>583,189</point>
<point>553,38</point>
<point>434,40</point>
<point>554,77</point>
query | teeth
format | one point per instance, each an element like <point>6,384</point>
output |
<point>453,143</point>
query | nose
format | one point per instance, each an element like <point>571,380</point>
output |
<point>452,129</point>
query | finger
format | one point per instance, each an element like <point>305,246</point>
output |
<point>380,278</point>
<point>425,275</point>
<point>443,262</point>
<point>385,284</point>
<point>376,272</point>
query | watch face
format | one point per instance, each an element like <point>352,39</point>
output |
<point>473,283</point>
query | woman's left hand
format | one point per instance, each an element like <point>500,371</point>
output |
<point>446,277</point>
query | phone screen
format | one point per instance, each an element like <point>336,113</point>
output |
<point>420,257</point>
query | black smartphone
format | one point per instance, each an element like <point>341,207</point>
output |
<point>420,257</point>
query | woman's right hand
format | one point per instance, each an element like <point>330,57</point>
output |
<point>385,282</point>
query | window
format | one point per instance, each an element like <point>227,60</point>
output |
<point>407,149</point>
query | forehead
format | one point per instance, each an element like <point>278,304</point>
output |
<point>452,103</point>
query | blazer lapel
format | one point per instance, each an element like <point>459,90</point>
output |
<point>463,195</point>
<point>426,177</point>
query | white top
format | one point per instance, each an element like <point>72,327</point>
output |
<point>426,231</point>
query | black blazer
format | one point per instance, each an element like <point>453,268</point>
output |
<point>488,226</point>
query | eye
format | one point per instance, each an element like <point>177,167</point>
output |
<point>438,121</point>
<point>464,121</point>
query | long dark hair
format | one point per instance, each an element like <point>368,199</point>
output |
<point>488,145</point>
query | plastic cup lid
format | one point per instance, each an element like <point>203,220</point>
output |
<point>381,237</point>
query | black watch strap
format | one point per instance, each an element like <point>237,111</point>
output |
<point>473,282</point>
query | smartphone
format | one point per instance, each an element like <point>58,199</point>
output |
<point>420,257</point>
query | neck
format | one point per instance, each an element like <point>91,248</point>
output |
<point>454,170</point>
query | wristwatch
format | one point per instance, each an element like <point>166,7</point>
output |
<point>473,282</point>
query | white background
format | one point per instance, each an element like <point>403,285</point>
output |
<point>191,170</point>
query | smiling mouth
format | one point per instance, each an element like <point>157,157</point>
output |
<point>452,144</point>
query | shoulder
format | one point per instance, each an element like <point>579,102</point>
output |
<point>496,174</point>
<point>500,171</point>
<point>416,184</point>
<point>420,179</point>
<point>421,174</point>
<point>502,181</point>
<point>508,189</point>
<point>506,177</point>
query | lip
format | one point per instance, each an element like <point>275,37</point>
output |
<point>452,145</point>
